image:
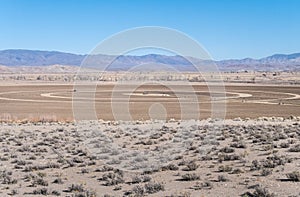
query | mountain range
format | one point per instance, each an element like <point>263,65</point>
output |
<point>53,61</point>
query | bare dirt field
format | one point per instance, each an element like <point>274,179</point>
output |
<point>246,101</point>
<point>253,153</point>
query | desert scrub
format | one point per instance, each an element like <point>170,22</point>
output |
<point>294,176</point>
<point>228,157</point>
<point>190,177</point>
<point>284,145</point>
<point>240,144</point>
<point>222,178</point>
<point>40,191</point>
<point>181,194</point>
<point>140,179</point>
<point>58,181</point>
<point>85,194</point>
<point>39,181</point>
<point>104,169</point>
<point>172,167</point>
<point>266,172</point>
<point>191,166</point>
<point>295,148</point>
<point>203,185</point>
<point>112,178</point>
<point>153,187</point>
<point>225,168</point>
<point>270,162</point>
<point>75,188</point>
<point>237,171</point>
<point>259,192</point>
<point>13,192</point>
<point>137,191</point>
<point>6,178</point>
<point>227,149</point>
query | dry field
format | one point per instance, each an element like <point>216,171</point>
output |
<point>253,153</point>
<point>55,101</point>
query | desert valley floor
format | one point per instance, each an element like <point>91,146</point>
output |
<point>55,100</point>
<point>254,152</point>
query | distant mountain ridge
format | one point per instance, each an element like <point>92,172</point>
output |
<point>21,58</point>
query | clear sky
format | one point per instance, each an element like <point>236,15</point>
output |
<point>226,28</point>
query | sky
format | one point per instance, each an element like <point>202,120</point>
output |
<point>227,29</point>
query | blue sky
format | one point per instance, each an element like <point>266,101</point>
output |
<point>226,28</point>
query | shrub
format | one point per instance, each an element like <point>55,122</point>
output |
<point>266,172</point>
<point>294,176</point>
<point>227,157</point>
<point>284,145</point>
<point>58,181</point>
<point>152,187</point>
<point>55,193</point>
<point>76,188</point>
<point>262,192</point>
<point>295,148</point>
<point>138,191</point>
<point>225,168</point>
<point>181,194</point>
<point>41,191</point>
<point>140,179</point>
<point>112,179</point>
<point>172,167</point>
<point>191,166</point>
<point>238,145</point>
<point>227,150</point>
<point>190,177</point>
<point>40,181</point>
<point>237,171</point>
<point>222,178</point>
<point>204,185</point>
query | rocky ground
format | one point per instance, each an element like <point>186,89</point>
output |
<point>239,157</point>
